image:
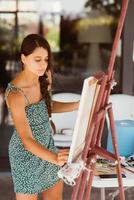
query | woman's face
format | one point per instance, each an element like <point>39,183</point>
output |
<point>37,61</point>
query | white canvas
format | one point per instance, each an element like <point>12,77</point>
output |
<point>87,102</point>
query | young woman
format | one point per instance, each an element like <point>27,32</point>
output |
<point>33,157</point>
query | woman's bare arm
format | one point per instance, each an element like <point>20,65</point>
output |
<point>58,107</point>
<point>16,104</point>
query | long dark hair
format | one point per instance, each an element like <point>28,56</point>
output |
<point>29,44</point>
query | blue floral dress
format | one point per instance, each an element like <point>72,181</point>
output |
<point>30,173</point>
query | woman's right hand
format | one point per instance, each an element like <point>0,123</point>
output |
<point>62,156</point>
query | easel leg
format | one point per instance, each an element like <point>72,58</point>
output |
<point>115,147</point>
<point>102,190</point>
<point>83,185</point>
<point>76,188</point>
<point>89,182</point>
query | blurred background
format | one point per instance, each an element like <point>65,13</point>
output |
<point>81,35</point>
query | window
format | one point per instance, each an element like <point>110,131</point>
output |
<point>27,23</point>
<point>21,17</point>
<point>51,24</point>
<point>7,32</point>
<point>8,5</point>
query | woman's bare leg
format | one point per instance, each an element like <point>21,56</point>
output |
<point>20,196</point>
<point>55,192</point>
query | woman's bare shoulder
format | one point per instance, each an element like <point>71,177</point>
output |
<point>15,99</point>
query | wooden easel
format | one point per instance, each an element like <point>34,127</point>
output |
<point>82,189</point>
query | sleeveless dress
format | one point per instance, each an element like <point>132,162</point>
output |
<point>30,173</point>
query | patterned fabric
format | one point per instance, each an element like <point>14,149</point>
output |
<point>31,174</point>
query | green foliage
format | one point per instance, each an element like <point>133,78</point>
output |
<point>53,38</point>
<point>8,42</point>
<point>111,8</point>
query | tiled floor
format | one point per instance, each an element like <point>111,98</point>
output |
<point>6,190</point>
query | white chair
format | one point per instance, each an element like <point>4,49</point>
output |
<point>123,106</point>
<point>123,111</point>
<point>64,122</point>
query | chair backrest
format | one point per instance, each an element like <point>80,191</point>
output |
<point>65,120</point>
<point>123,107</point>
<point>123,110</point>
